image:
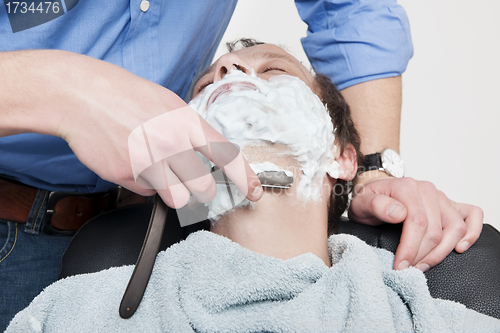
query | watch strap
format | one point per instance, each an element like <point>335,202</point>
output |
<point>372,162</point>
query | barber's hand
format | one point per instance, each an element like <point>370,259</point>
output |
<point>433,224</point>
<point>111,103</point>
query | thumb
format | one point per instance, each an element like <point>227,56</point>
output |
<point>228,157</point>
<point>372,208</point>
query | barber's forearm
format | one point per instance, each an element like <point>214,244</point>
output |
<point>34,89</point>
<point>376,111</point>
<point>52,91</point>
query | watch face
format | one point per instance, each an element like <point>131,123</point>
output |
<point>392,163</point>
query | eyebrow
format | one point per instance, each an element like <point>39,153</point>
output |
<point>273,55</point>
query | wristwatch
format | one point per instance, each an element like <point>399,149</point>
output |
<point>388,161</point>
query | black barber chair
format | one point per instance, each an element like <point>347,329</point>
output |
<point>115,238</point>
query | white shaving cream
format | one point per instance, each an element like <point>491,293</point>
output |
<point>249,111</point>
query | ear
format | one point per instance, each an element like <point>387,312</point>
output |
<point>349,163</point>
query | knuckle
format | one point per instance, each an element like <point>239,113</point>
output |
<point>428,187</point>
<point>461,229</point>
<point>479,212</point>
<point>441,196</point>
<point>410,182</point>
<point>421,221</point>
<point>170,144</point>
<point>374,202</point>
<point>201,184</point>
<point>435,236</point>
<point>412,249</point>
<point>224,152</point>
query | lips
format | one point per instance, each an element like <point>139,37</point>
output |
<point>228,87</point>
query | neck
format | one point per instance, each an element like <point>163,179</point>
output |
<point>279,225</point>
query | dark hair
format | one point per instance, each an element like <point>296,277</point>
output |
<point>244,42</point>
<point>345,132</point>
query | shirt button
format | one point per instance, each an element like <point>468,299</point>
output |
<point>144,5</point>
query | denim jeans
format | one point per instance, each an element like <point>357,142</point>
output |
<point>29,260</point>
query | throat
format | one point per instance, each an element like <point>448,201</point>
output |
<point>278,226</point>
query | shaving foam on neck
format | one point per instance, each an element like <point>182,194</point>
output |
<point>249,111</point>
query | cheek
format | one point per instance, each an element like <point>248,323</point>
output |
<point>278,154</point>
<point>196,93</point>
<point>265,76</point>
<point>308,81</point>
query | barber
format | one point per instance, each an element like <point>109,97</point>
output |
<point>73,88</point>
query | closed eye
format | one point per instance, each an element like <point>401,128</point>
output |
<point>268,69</point>
<point>203,86</point>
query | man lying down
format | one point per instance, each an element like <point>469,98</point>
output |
<point>269,266</point>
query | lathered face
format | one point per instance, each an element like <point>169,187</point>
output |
<point>260,98</point>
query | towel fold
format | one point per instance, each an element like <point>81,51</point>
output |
<point>208,283</point>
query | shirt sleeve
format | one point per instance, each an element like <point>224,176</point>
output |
<point>354,41</point>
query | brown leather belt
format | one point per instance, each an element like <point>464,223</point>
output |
<point>65,211</point>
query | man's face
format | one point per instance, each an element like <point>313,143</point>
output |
<point>265,60</point>
<point>272,114</point>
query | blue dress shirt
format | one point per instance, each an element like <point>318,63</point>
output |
<point>173,41</point>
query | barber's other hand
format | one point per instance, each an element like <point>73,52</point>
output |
<point>433,224</point>
<point>106,103</point>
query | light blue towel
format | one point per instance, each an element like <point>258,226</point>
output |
<point>208,283</point>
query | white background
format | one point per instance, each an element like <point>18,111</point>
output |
<point>451,94</point>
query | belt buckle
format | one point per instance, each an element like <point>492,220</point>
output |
<point>54,198</point>
<point>47,227</point>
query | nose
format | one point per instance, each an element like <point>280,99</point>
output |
<point>226,63</point>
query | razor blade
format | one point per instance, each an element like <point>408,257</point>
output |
<point>268,179</point>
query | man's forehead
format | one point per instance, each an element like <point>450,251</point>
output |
<point>267,51</point>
